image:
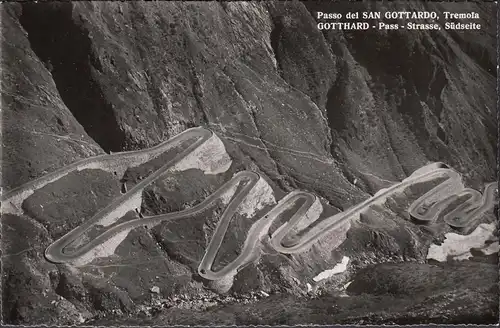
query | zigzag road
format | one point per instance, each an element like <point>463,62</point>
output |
<point>425,209</point>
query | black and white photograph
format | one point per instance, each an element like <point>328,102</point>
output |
<point>237,163</point>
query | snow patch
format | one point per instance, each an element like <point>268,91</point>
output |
<point>339,268</point>
<point>210,157</point>
<point>458,246</point>
<point>105,249</point>
<point>261,195</point>
<point>134,202</point>
<point>228,194</point>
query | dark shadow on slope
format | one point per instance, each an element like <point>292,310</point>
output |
<point>475,50</point>
<point>275,42</point>
<point>63,44</point>
<point>335,108</point>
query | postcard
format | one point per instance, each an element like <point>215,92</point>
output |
<point>248,163</point>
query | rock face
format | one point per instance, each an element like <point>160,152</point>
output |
<point>341,114</point>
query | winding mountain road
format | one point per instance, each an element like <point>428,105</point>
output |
<point>425,209</point>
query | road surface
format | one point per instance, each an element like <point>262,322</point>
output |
<point>425,209</point>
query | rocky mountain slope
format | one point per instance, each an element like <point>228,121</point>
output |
<point>340,114</point>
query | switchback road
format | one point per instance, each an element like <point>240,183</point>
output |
<point>425,209</point>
